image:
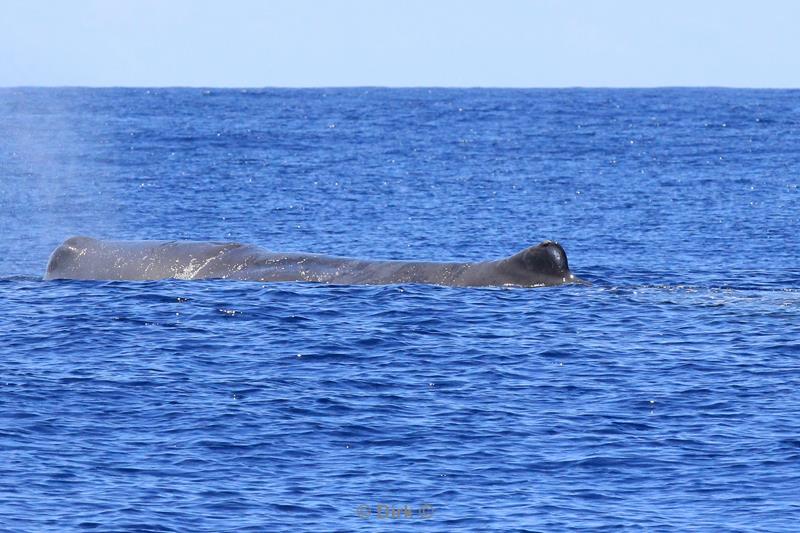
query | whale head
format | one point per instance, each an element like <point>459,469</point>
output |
<point>543,264</point>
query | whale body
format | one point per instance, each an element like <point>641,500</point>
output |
<point>94,259</point>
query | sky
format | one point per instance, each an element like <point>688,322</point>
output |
<point>400,43</point>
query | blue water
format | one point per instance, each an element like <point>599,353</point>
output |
<point>666,396</point>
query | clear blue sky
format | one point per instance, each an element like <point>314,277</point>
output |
<point>304,43</point>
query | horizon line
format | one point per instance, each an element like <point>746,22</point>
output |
<point>435,87</point>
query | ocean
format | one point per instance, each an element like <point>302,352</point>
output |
<point>663,397</point>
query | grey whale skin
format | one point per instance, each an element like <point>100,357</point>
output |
<point>93,259</point>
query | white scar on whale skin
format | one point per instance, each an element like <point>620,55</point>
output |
<point>192,270</point>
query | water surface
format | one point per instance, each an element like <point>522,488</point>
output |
<point>663,397</point>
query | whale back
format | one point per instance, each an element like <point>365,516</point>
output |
<point>88,258</point>
<point>93,259</point>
